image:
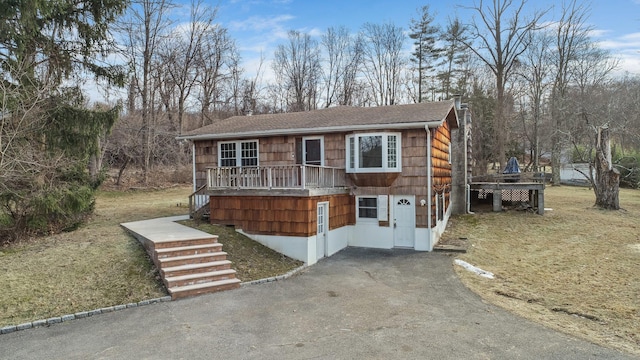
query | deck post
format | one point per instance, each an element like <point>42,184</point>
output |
<point>497,200</point>
<point>303,176</point>
<point>269,179</point>
<point>540,195</point>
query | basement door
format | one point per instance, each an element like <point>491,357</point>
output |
<point>322,236</point>
<point>404,221</point>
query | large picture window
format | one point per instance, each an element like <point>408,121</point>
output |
<point>238,153</point>
<point>376,152</point>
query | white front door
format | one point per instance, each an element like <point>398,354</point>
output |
<point>404,221</point>
<point>322,235</point>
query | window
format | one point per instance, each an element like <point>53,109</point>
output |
<point>238,153</point>
<point>379,152</point>
<point>368,208</point>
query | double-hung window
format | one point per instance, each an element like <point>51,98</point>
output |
<point>238,153</point>
<point>367,208</point>
<point>373,152</point>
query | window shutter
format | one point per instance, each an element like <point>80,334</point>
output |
<point>383,207</point>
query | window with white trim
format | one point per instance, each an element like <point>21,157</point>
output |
<point>367,208</point>
<point>373,152</point>
<point>238,153</point>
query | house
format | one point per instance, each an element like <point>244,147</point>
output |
<point>309,184</point>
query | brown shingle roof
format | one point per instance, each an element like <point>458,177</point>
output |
<point>333,119</point>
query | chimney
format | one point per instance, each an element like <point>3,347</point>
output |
<point>458,99</point>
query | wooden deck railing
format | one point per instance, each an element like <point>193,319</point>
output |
<point>521,177</point>
<point>198,201</point>
<point>275,177</point>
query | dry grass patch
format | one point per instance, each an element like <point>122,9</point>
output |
<point>96,266</point>
<point>250,259</point>
<point>575,269</point>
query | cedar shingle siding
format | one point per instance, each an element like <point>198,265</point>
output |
<point>441,168</point>
<point>279,137</point>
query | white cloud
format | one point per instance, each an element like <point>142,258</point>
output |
<point>260,23</point>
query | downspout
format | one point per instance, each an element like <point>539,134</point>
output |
<point>193,162</point>
<point>429,186</point>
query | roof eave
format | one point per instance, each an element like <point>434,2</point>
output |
<point>313,131</point>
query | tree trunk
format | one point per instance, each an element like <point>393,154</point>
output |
<point>607,181</point>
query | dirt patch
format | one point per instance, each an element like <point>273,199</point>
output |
<point>572,269</point>
<point>451,244</point>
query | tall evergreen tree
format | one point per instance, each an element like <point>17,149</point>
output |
<point>47,136</point>
<point>455,55</point>
<point>424,35</point>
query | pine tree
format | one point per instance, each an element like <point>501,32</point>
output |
<point>47,135</point>
<point>454,51</point>
<point>424,35</point>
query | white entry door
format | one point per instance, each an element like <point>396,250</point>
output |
<point>322,235</point>
<point>404,221</point>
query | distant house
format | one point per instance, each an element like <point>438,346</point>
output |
<point>309,184</point>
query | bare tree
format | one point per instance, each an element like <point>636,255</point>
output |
<point>383,61</point>
<point>571,34</point>
<point>343,57</point>
<point>499,36</point>
<point>179,53</point>
<point>535,72</point>
<point>297,68</point>
<point>607,181</point>
<point>217,62</point>
<point>143,27</point>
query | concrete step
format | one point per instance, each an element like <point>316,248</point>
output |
<point>172,243</point>
<point>195,268</point>
<point>188,250</point>
<point>199,278</point>
<point>192,259</point>
<point>179,292</point>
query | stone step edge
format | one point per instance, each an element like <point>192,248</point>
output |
<point>191,247</point>
<point>199,275</point>
<point>194,266</point>
<point>85,314</point>
<point>211,284</point>
<point>191,257</point>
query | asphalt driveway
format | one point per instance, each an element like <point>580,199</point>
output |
<point>358,304</point>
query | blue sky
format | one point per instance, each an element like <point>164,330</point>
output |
<point>259,25</point>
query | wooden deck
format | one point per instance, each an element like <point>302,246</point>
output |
<point>535,192</point>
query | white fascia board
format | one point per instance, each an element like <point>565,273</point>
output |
<point>313,131</point>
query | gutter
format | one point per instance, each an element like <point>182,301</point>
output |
<point>429,185</point>
<point>313,131</point>
<point>193,162</point>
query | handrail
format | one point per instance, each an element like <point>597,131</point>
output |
<point>197,200</point>
<point>275,177</point>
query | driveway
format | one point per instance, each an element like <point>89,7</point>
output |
<point>358,304</point>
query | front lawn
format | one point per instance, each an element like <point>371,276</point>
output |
<point>575,269</point>
<point>100,265</point>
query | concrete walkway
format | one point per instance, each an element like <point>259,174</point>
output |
<point>164,229</point>
<point>358,304</point>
